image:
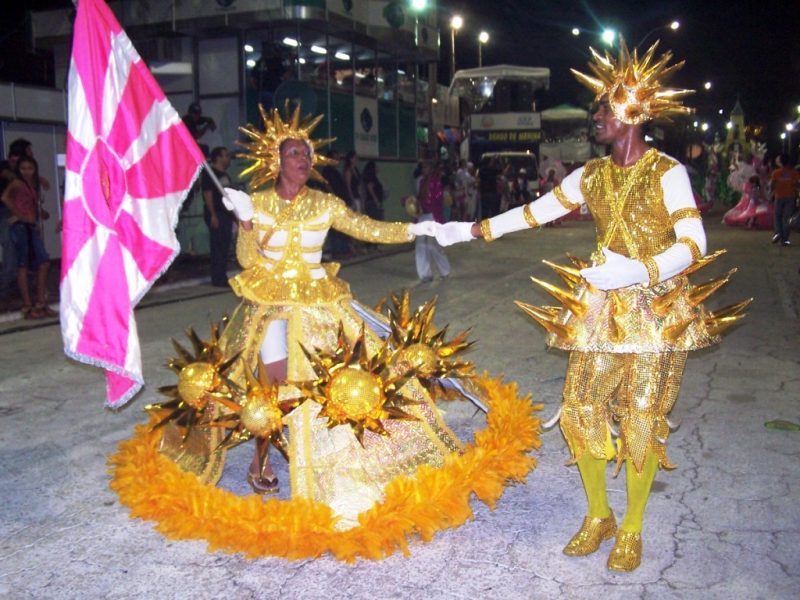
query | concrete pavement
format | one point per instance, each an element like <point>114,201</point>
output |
<point>724,524</point>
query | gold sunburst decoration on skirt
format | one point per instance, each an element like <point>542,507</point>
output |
<point>202,378</point>
<point>419,346</point>
<point>257,412</point>
<point>355,389</point>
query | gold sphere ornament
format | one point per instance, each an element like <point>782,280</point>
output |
<point>420,357</point>
<point>259,415</point>
<point>195,381</point>
<point>355,393</point>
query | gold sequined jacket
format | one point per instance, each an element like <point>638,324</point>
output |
<point>634,217</point>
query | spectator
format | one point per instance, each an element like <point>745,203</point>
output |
<point>21,196</point>
<point>431,204</point>
<point>217,218</point>
<point>373,197</point>
<point>9,255</point>
<point>352,177</point>
<point>17,149</point>
<point>336,185</point>
<point>784,182</point>
<point>488,178</point>
<point>198,125</point>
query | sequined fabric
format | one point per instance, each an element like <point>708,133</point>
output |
<point>636,390</point>
<point>286,281</point>
<point>629,324</point>
<point>281,260</point>
<point>627,204</point>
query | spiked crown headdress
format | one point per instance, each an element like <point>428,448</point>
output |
<point>634,87</point>
<point>264,150</point>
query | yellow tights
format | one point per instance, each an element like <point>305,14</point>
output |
<point>593,474</point>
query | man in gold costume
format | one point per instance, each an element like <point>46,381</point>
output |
<point>631,316</point>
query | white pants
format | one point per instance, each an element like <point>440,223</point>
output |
<point>427,250</point>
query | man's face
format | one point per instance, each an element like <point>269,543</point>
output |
<point>295,161</point>
<point>224,160</point>
<point>607,128</point>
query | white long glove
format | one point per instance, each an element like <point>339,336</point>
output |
<point>423,228</point>
<point>617,272</point>
<point>240,203</point>
<point>454,233</point>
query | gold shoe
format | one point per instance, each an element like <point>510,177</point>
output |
<point>592,533</point>
<point>626,554</point>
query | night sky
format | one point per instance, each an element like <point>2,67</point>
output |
<point>749,49</point>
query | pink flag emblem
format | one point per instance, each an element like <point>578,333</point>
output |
<point>130,163</point>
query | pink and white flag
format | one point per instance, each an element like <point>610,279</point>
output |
<point>130,163</point>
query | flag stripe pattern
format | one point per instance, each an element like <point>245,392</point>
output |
<point>130,163</point>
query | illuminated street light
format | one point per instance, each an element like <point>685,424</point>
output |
<point>707,85</point>
<point>720,111</point>
<point>419,5</point>
<point>456,22</point>
<point>483,37</point>
<point>248,48</point>
<point>318,49</point>
<point>674,26</point>
<point>251,63</point>
<point>704,126</point>
<point>609,35</point>
<point>342,56</point>
<point>790,127</point>
<point>291,42</point>
<point>729,125</point>
<point>576,32</point>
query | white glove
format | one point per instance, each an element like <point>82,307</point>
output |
<point>423,228</point>
<point>454,233</point>
<point>617,272</point>
<point>239,203</point>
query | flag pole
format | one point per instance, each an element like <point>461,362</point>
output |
<point>214,178</point>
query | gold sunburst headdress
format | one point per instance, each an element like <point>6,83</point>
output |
<point>264,149</point>
<point>635,88</point>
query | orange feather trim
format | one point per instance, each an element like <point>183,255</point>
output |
<point>156,489</point>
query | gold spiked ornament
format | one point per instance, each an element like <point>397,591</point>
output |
<point>355,389</point>
<point>635,88</point>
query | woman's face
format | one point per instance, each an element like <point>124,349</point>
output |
<point>295,162</point>
<point>27,170</point>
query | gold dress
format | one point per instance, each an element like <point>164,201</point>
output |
<point>283,279</point>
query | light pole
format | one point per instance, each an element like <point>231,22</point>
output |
<point>674,26</point>
<point>483,37</point>
<point>455,24</point>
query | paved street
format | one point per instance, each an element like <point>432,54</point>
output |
<point>725,524</point>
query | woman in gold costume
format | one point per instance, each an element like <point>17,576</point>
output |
<point>630,317</point>
<point>371,461</point>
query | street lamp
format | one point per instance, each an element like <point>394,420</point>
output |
<point>609,35</point>
<point>575,31</point>
<point>707,85</point>
<point>483,37</point>
<point>674,26</point>
<point>456,22</point>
